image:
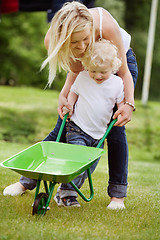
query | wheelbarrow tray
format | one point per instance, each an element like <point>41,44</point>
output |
<point>53,161</point>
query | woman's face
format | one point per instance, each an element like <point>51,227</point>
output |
<point>80,41</point>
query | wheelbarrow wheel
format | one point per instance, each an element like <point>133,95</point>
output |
<point>39,204</point>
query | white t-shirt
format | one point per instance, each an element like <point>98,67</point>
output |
<point>94,107</point>
<point>126,37</point>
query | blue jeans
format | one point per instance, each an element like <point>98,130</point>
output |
<point>117,148</point>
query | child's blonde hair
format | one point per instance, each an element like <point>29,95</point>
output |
<point>102,52</point>
<point>72,17</point>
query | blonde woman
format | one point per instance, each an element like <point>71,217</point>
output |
<point>73,31</point>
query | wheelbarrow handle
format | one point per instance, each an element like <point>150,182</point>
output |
<point>106,133</point>
<point>61,128</point>
<point>101,141</point>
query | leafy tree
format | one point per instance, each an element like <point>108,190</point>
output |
<point>115,7</point>
<point>137,16</point>
<point>22,49</point>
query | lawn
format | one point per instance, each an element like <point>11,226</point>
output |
<point>27,115</point>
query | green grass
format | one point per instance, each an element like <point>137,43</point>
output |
<point>143,132</point>
<point>27,115</point>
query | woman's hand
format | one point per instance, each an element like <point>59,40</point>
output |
<point>63,103</point>
<point>65,111</point>
<point>123,114</point>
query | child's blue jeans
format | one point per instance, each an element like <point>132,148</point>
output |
<point>77,136</point>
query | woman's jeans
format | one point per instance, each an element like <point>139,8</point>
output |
<point>117,148</point>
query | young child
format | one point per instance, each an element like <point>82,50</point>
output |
<point>92,97</point>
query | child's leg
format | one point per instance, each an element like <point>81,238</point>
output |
<point>68,190</point>
<point>67,194</point>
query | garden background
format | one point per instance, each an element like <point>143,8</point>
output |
<point>28,113</point>
<point>22,44</point>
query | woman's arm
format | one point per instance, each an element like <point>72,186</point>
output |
<point>72,98</point>
<point>119,105</point>
<point>111,32</point>
<point>125,110</point>
<point>64,93</point>
<point>68,83</point>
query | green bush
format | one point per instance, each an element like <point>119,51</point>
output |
<point>22,50</point>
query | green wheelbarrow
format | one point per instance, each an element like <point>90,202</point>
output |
<point>55,162</point>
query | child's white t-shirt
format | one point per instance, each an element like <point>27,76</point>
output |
<point>94,107</point>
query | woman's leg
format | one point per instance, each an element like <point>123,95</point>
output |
<point>117,162</point>
<point>118,148</point>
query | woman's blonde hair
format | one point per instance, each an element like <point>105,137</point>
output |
<point>72,17</point>
<point>102,52</point>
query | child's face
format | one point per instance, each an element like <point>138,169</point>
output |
<point>80,41</point>
<point>99,74</point>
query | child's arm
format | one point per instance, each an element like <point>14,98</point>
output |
<point>72,99</point>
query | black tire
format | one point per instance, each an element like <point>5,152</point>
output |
<point>39,204</point>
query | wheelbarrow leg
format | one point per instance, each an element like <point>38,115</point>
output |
<point>51,188</point>
<point>37,189</point>
<point>46,187</point>
<point>90,185</point>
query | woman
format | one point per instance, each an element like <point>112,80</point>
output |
<point>73,31</point>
